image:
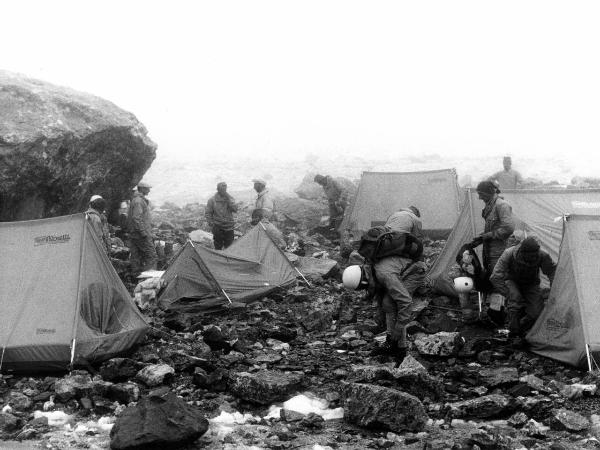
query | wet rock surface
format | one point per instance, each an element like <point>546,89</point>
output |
<point>158,422</point>
<point>384,408</point>
<point>462,386</point>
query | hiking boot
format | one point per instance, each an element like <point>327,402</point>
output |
<point>399,355</point>
<point>518,343</point>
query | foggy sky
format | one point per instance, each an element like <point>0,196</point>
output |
<point>327,77</point>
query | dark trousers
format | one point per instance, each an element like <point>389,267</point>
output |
<point>525,304</point>
<point>142,253</point>
<point>222,238</point>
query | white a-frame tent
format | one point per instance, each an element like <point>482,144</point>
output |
<point>567,330</point>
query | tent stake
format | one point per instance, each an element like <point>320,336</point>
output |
<point>589,358</point>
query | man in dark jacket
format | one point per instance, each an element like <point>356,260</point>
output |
<point>517,276</point>
<point>219,214</point>
<point>141,244</point>
<point>499,225</point>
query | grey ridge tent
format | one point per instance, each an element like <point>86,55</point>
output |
<point>61,301</point>
<point>434,192</point>
<point>567,330</point>
<point>201,279</point>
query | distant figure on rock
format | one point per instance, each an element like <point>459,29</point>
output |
<point>264,207</point>
<point>337,198</point>
<point>507,178</point>
<point>517,276</point>
<point>407,220</point>
<point>219,214</point>
<point>141,244</point>
<point>97,218</point>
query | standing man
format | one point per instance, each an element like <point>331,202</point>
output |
<point>499,225</point>
<point>98,221</point>
<point>141,245</point>
<point>507,178</point>
<point>336,197</point>
<point>517,277</point>
<point>219,214</point>
<point>264,207</point>
<point>407,220</point>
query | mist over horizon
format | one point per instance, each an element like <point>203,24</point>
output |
<point>183,179</point>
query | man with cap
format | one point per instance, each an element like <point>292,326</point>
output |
<point>499,225</point>
<point>336,197</point>
<point>141,244</point>
<point>97,218</point>
<point>406,220</point>
<point>264,207</point>
<point>507,178</point>
<point>517,277</point>
<point>219,214</point>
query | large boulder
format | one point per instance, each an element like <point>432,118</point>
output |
<point>59,146</point>
<point>379,407</point>
<point>303,211</point>
<point>158,423</point>
<point>309,190</point>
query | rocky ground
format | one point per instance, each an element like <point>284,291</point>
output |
<point>294,371</point>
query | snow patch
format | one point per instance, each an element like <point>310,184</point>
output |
<point>306,404</point>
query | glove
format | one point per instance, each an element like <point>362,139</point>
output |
<point>476,242</point>
<point>486,236</point>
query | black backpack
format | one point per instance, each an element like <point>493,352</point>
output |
<point>380,242</point>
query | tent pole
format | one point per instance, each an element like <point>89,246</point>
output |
<point>589,357</point>
<point>78,298</point>
<point>281,251</point>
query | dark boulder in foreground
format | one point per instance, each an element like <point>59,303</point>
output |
<point>158,423</point>
<point>59,146</point>
<point>379,407</point>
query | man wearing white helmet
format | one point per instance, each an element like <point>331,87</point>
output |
<point>95,215</point>
<point>394,279</point>
<point>141,245</point>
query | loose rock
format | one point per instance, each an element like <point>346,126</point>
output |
<point>158,423</point>
<point>155,374</point>
<point>439,344</point>
<point>383,408</point>
<point>264,387</point>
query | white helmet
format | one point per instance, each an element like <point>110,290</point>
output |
<point>352,277</point>
<point>95,197</point>
<point>463,284</point>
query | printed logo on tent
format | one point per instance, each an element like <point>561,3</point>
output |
<point>45,331</point>
<point>585,205</point>
<point>51,239</point>
<point>436,180</point>
<point>594,235</point>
